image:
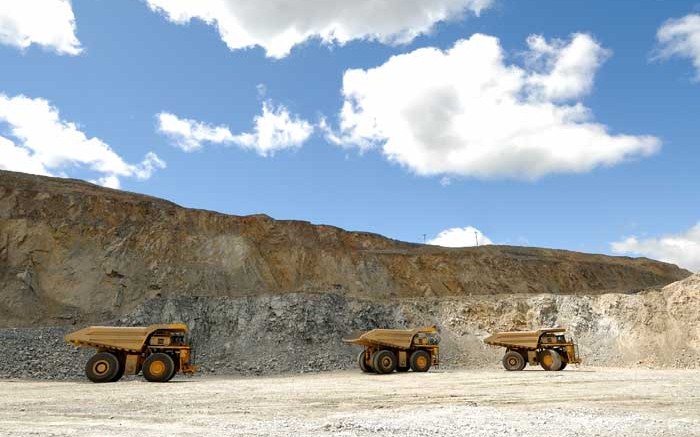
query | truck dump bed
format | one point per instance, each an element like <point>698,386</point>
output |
<point>130,339</point>
<point>520,339</point>
<point>396,338</point>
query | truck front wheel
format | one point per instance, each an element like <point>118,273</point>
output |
<point>513,361</point>
<point>158,367</point>
<point>550,359</point>
<point>102,367</point>
<point>420,361</point>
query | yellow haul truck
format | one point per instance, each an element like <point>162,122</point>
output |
<point>160,351</point>
<point>386,350</point>
<point>547,347</point>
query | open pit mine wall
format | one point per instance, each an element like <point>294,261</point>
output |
<point>72,252</point>
<point>298,332</point>
<point>303,332</point>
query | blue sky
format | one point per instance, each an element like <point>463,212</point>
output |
<point>137,63</point>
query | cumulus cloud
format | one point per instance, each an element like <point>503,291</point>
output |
<point>43,143</point>
<point>681,38</point>
<point>274,129</point>
<point>279,25</point>
<point>48,23</point>
<point>190,135</point>
<point>460,237</point>
<point>682,249</point>
<point>561,70</point>
<point>465,111</point>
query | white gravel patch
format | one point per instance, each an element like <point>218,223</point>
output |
<point>577,402</point>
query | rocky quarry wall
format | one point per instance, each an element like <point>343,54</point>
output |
<point>269,296</point>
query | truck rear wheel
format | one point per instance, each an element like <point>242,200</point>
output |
<point>102,367</point>
<point>363,363</point>
<point>420,361</point>
<point>384,361</point>
<point>550,359</point>
<point>122,368</point>
<point>158,367</point>
<point>513,361</point>
<point>119,374</point>
<point>563,365</point>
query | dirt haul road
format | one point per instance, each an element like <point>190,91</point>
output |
<point>575,402</point>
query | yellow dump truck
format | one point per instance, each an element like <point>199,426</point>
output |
<point>386,350</point>
<point>160,351</point>
<point>548,347</point>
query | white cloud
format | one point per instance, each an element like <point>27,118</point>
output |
<point>569,69</point>
<point>48,23</point>
<point>460,237</point>
<point>189,135</point>
<point>19,159</point>
<point>466,112</point>
<point>45,144</point>
<point>275,129</point>
<point>681,249</point>
<point>681,38</point>
<point>279,25</point>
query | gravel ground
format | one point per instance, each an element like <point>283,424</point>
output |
<point>577,402</point>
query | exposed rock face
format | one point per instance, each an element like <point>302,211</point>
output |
<point>296,332</point>
<point>291,332</point>
<point>268,296</point>
<point>72,252</point>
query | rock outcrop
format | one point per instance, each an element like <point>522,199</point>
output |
<point>72,252</point>
<point>291,332</point>
<point>303,332</point>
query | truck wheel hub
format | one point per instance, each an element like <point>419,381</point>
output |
<point>100,367</point>
<point>157,368</point>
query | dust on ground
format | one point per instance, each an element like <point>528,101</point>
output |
<point>576,402</point>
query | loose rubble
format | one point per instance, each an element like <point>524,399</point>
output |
<point>40,353</point>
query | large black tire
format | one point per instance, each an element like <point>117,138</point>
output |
<point>513,361</point>
<point>563,365</point>
<point>158,367</point>
<point>420,361</point>
<point>119,373</point>
<point>362,363</point>
<point>102,367</point>
<point>550,360</point>
<point>384,362</point>
<point>122,368</point>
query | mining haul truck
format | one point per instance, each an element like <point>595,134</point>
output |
<point>160,351</point>
<point>386,350</point>
<point>547,347</point>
